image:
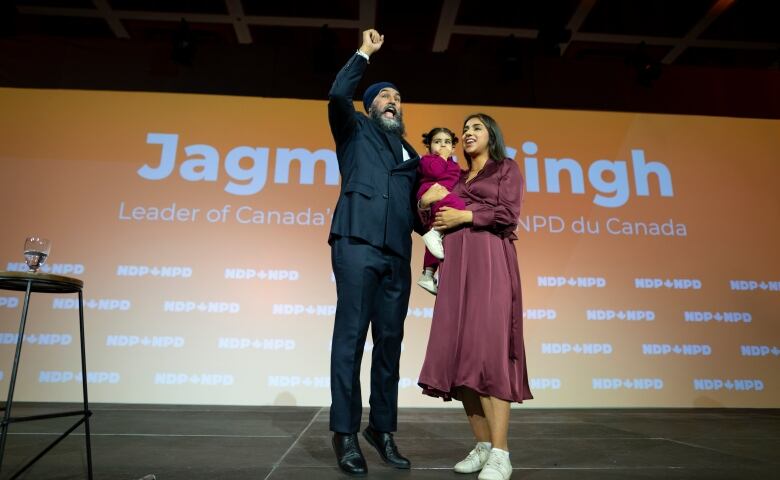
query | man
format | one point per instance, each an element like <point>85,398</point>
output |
<point>371,247</point>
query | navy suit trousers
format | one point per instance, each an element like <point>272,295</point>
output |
<point>373,289</point>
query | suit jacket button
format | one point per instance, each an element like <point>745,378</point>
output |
<point>384,195</point>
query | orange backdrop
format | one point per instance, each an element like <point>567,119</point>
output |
<point>648,251</point>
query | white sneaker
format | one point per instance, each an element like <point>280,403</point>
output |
<point>497,467</point>
<point>434,244</point>
<point>428,282</point>
<point>474,461</point>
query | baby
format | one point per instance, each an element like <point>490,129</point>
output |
<point>437,166</point>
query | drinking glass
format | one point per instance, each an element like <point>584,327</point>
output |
<point>36,250</point>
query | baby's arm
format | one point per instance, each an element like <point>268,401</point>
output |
<point>433,166</point>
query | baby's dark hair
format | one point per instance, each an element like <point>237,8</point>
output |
<point>428,137</point>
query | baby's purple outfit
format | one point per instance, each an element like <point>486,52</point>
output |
<point>434,169</point>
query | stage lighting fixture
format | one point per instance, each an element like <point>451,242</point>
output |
<point>550,38</point>
<point>183,44</point>
<point>510,56</point>
<point>325,53</point>
<point>8,15</point>
<point>647,69</point>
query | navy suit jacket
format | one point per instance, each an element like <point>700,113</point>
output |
<point>377,202</point>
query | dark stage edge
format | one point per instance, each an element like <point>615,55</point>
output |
<point>195,442</point>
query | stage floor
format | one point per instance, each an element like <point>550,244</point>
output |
<point>187,442</point>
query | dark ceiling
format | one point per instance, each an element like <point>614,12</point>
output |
<point>704,32</point>
<point>511,40</point>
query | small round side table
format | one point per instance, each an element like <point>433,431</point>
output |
<point>30,283</point>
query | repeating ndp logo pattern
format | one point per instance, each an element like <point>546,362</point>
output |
<point>284,345</point>
<point>658,350</point>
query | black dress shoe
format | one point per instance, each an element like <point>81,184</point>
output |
<point>385,445</point>
<point>348,454</point>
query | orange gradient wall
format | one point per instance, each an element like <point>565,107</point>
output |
<point>648,251</point>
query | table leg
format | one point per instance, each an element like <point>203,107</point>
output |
<point>87,413</point>
<point>14,369</point>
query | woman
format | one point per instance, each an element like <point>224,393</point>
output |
<point>475,351</point>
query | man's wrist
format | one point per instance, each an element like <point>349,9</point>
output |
<point>363,54</point>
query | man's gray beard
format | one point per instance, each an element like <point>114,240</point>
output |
<point>389,125</point>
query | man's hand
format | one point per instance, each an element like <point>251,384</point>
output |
<point>372,41</point>
<point>434,194</point>
<point>448,218</point>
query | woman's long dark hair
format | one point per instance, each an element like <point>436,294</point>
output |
<point>496,146</point>
<point>428,137</point>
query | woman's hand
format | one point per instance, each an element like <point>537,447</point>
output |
<point>434,194</point>
<point>448,218</point>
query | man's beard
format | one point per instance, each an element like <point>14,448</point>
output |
<point>390,125</point>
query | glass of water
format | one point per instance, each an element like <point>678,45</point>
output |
<point>36,250</point>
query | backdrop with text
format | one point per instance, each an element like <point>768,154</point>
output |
<point>648,249</point>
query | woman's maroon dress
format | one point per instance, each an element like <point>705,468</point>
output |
<point>476,338</point>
